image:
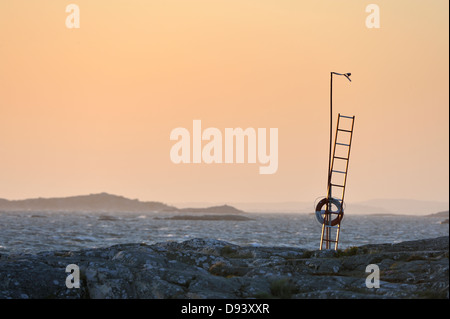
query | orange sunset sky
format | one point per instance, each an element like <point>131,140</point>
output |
<point>90,110</point>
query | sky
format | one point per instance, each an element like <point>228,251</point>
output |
<point>91,109</point>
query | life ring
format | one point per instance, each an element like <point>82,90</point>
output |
<point>338,214</point>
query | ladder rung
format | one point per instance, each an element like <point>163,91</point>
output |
<point>341,158</point>
<point>339,172</point>
<point>343,144</point>
<point>347,117</point>
<point>330,241</point>
<point>337,185</point>
<point>349,131</point>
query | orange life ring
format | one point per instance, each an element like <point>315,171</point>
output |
<point>338,214</point>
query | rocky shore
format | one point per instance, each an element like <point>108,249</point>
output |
<point>208,268</point>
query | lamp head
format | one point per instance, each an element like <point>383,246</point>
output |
<point>347,75</point>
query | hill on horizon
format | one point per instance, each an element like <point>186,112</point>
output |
<point>103,202</point>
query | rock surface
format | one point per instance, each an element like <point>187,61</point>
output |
<point>208,268</point>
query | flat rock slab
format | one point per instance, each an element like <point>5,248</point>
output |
<point>208,268</point>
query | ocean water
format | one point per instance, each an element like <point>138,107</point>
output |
<point>31,232</point>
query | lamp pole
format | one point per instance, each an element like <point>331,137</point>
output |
<point>327,218</point>
<point>347,75</point>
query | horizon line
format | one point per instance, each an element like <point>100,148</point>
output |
<point>221,202</point>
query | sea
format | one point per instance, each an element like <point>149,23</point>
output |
<point>33,232</point>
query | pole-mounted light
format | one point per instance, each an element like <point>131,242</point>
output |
<point>347,75</point>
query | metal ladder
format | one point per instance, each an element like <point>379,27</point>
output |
<point>337,180</point>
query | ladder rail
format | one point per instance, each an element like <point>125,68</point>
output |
<point>348,156</point>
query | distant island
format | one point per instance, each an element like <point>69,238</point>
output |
<point>442,214</point>
<point>439,214</point>
<point>208,217</point>
<point>104,202</point>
